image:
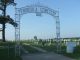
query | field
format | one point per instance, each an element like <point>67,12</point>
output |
<point>7,51</point>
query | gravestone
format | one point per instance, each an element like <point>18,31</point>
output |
<point>70,47</point>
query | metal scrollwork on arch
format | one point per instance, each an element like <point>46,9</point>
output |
<point>36,9</point>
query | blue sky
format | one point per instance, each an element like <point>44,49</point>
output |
<point>44,26</point>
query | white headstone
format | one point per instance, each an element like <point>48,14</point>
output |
<point>70,47</point>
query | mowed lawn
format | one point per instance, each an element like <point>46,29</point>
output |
<point>7,51</point>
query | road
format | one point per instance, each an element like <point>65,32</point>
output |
<point>45,56</point>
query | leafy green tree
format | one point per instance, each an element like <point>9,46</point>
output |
<point>3,21</point>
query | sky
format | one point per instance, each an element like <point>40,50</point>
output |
<point>44,26</point>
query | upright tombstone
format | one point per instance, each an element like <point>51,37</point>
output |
<point>70,47</point>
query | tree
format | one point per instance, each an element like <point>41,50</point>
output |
<point>35,37</point>
<point>3,21</point>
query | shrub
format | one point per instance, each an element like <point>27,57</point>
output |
<point>77,50</point>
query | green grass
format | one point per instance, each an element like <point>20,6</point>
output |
<point>72,55</point>
<point>7,53</point>
<point>30,49</point>
<point>48,48</point>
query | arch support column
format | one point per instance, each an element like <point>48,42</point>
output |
<point>17,32</point>
<point>58,40</point>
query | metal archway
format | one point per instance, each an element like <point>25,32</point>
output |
<point>38,9</point>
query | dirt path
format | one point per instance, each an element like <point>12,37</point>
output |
<point>45,56</point>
